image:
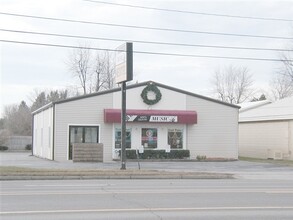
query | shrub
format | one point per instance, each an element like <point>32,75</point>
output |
<point>201,157</point>
<point>131,154</point>
<point>153,154</point>
<point>157,154</point>
<point>3,148</point>
<point>28,147</point>
<point>179,154</point>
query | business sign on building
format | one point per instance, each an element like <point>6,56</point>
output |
<point>152,118</point>
<point>124,63</point>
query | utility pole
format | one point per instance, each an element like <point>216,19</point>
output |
<point>124,73</point>
<point>123,127</point>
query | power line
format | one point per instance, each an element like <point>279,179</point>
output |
<point>147,28</point>
<point>191,12</point>
<point>143,42</point>
<point>147,52</point>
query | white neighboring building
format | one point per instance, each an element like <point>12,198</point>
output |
<point>267,131</point>
<point>180,119</point>
<point>245,106</point>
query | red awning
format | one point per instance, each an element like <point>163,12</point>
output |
<point>151,116</point>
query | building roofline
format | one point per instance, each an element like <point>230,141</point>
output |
<point>244,109</point>
<point>131,87</point>
<point>195,95</point>
<point>43,108</point>
<point>265,120</point>
<point>278,110</point>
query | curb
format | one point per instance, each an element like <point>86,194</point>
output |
<point>198,176</point>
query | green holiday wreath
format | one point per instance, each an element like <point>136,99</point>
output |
<point>151,88</point>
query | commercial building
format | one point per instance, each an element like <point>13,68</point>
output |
<point>158,117</point>
<point>266,131</point>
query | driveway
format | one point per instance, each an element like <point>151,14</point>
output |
<point>241,169</point>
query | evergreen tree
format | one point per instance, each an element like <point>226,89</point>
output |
<point>17,119</point>
<point>40,101</point>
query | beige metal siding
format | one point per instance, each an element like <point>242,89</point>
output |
<point>264,139</point>
<point>170,100</point>
<point>216,133</point>
<point>86,111</point>
<point>43,134</point>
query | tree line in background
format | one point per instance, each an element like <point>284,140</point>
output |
<point>234,84</point>
<point>96,71</point>
<point>17,119</point>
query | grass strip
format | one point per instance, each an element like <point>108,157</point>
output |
<point>21,171</point>
<point>276,162</point>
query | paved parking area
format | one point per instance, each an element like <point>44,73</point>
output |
<point>241,169</point>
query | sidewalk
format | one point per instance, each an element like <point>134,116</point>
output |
<point>43,169</point>
<point>23,166</point>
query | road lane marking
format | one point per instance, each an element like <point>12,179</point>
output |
<point>143,191</point>
<point>280,192</point>
<point>147,209</point>
<point>85,186</point>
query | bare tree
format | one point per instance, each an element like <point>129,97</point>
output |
<point>282,81</point>
<point>232,84</point>
<point>109,71</point>
<point>287,65</point>
<point>104,71</point>
<point>80,66</point>
<point>95,71</point>
<point>281,86</point>
<point>98,71</point>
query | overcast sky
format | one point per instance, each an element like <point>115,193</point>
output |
<point>28,67</point>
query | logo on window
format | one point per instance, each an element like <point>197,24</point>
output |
<point>149,133</point>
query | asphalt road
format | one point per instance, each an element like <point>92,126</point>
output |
<point>147,199</point>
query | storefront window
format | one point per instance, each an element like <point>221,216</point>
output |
<point>118,138</point>
<point>90,134</point>
<point>149,137</point>
<point>76,134</point>
<point>82,134</point>
<point>175,138</point>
